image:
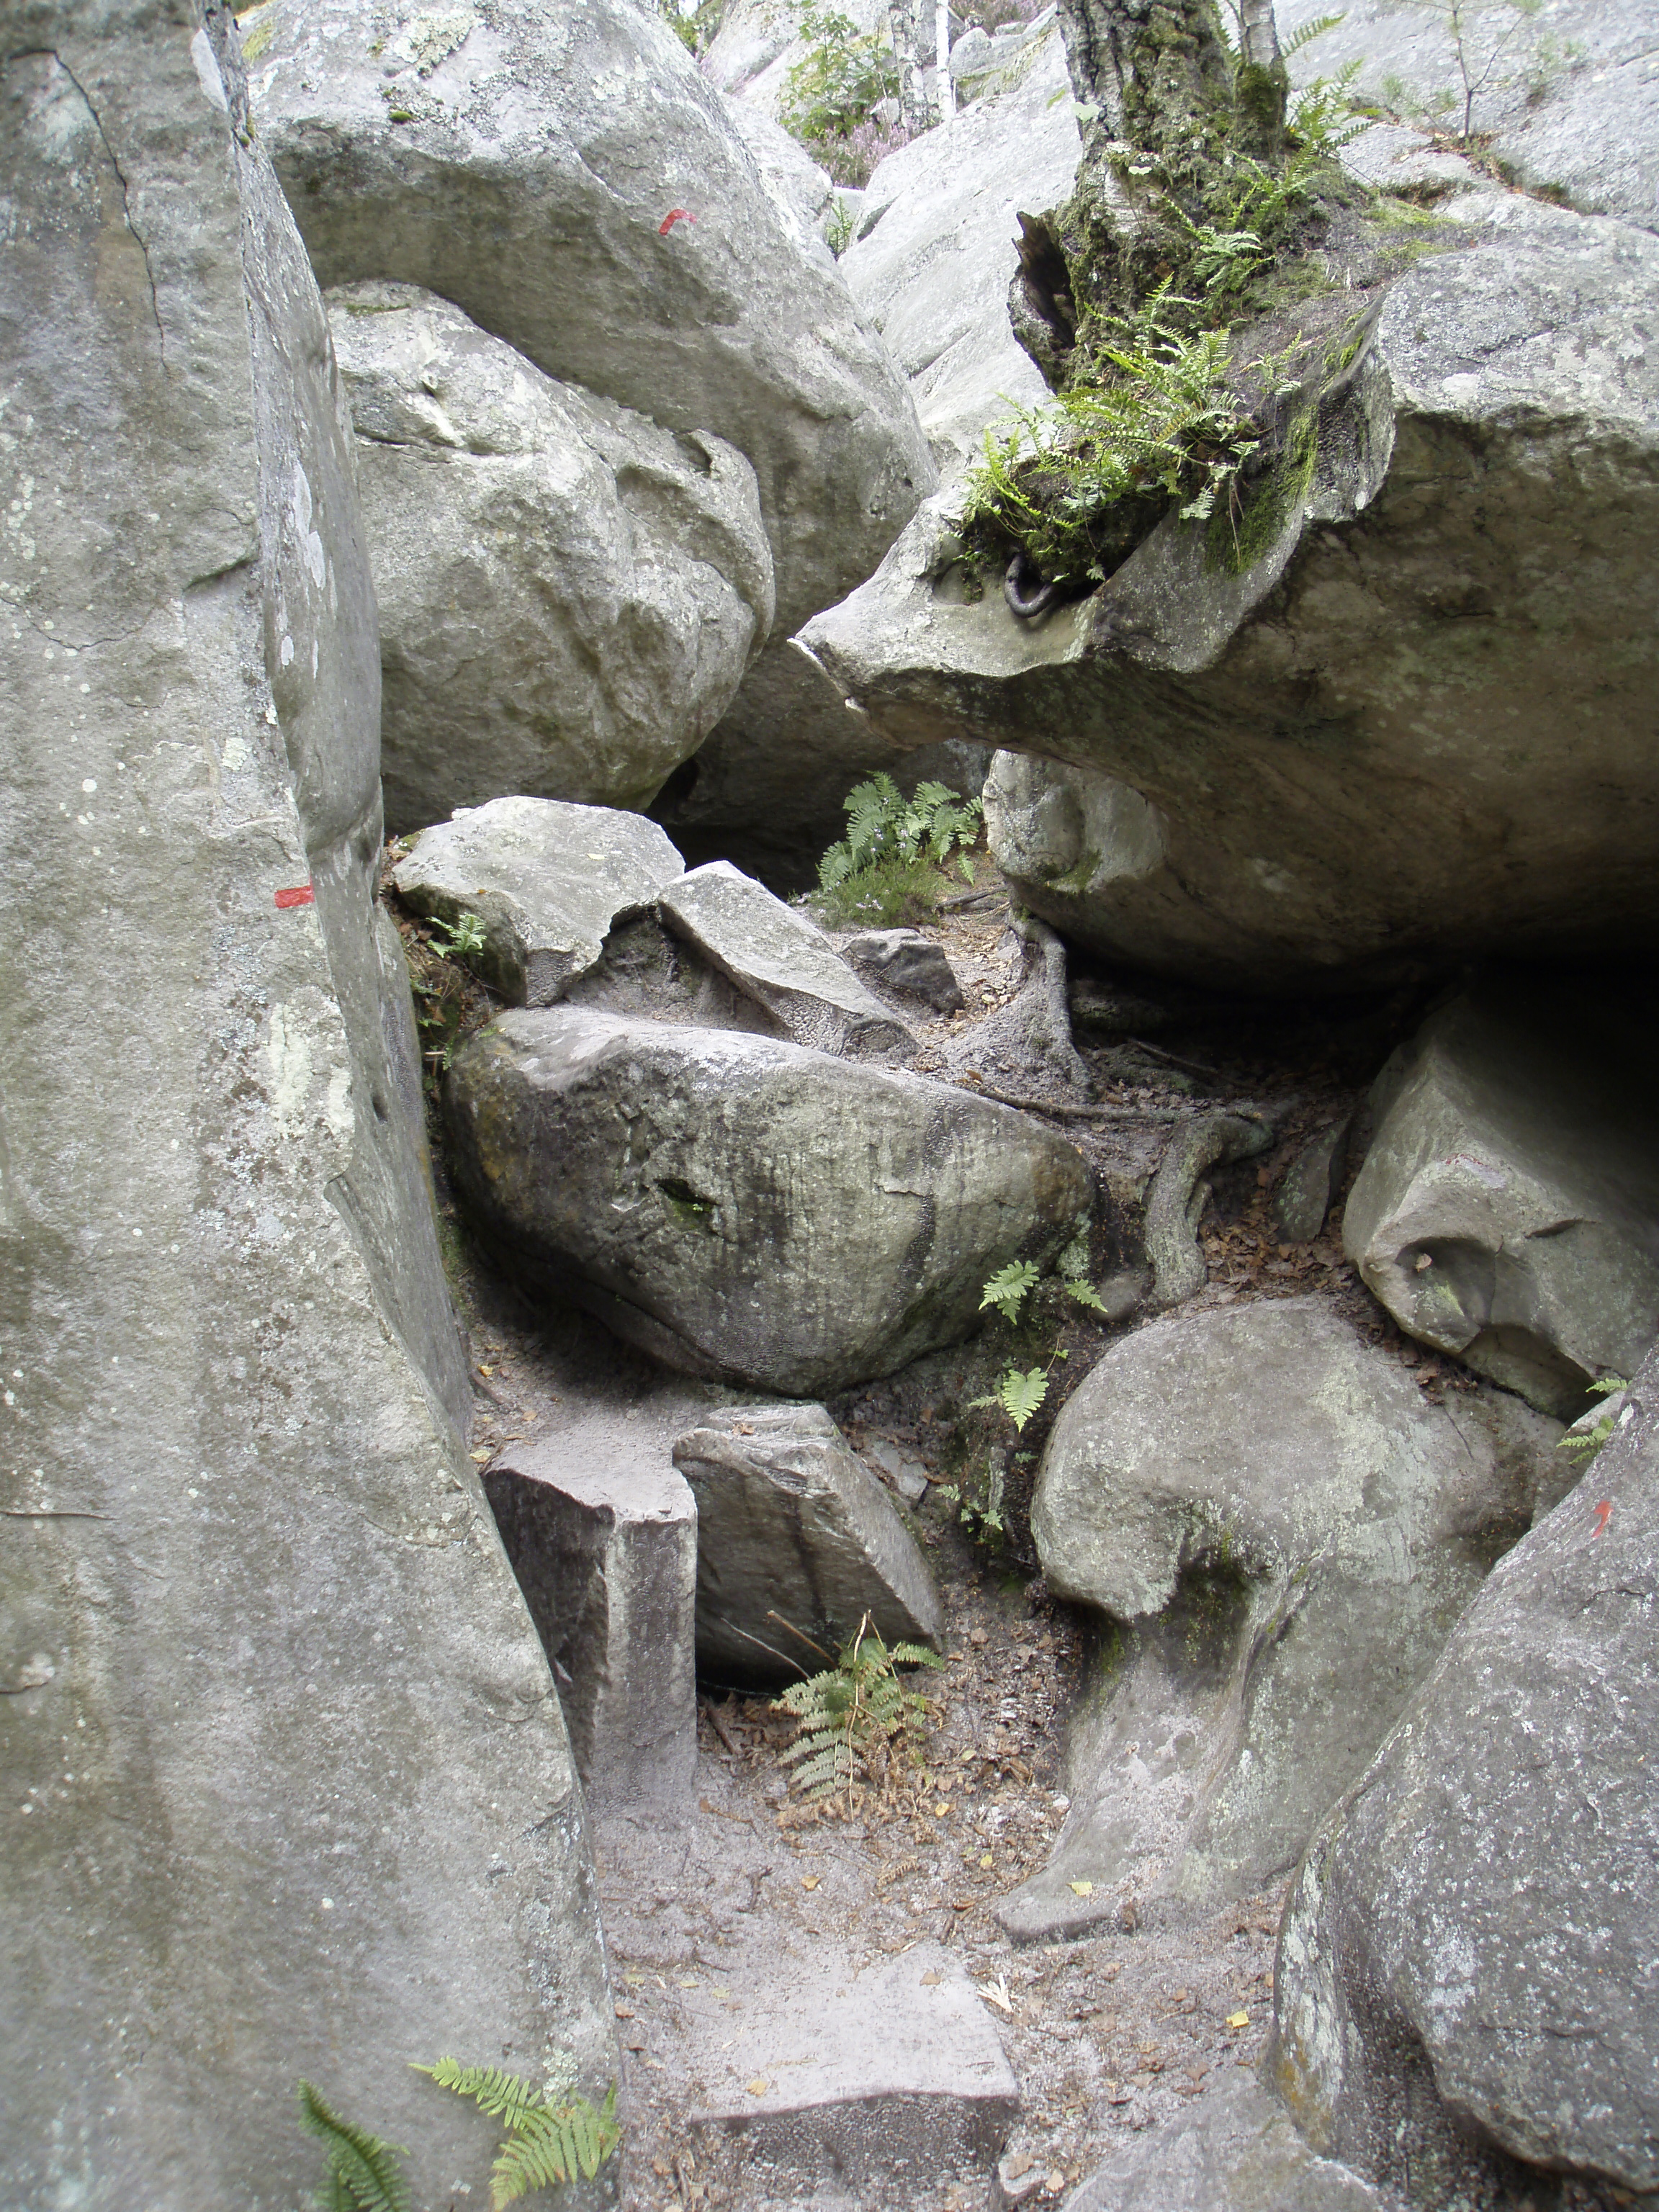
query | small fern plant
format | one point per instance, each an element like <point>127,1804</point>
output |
<point>894,847</point>
<point>549,2140</point>
<point>1020,1392</point>
<point>857,1726</point>
<point>363,2173</point>
<point>1583,1443</point>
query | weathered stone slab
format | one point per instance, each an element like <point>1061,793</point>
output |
<point>904,960</point>
<point>549,881</point>
<point>776,956</point>
<point>1236,2150</point>
<point>604,1546</point>
<point>569,594</point>
<point>895,2073</point>
<point>1468,1955</point>
<point>1286,1531</point>
<point>300,1801</point>
<point>743,1208</point>
<point>1508,1210</point>
<point>795,1534</point>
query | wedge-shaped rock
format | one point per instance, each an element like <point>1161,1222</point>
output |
<point>547,880</point>
<point>1508,1210</point>
<point>1468,1955</point>
<point>904,960</point>
<point>777,958</point>
<point>604,1546</point>
<point>744,1208</point>
<point>569,594</point>
<point>795,1534</point>
<point>1286,1531</point>
<point>1367,750</point>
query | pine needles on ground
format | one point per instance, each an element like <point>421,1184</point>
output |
<point>363,2175</point>
<point>548,2141</point>
<point>857,1726</point>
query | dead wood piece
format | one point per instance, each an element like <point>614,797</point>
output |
<point>1061,1050</point>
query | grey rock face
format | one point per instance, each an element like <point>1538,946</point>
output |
<point>1468,1947</point>
<point>605,1551</point>
<point>569,595</point>
<point>904,960</point>
<point>775,957</point>
<point>793,1527</point>
<point>1569,99</point>
<point>936,249</point>
<point>570,179</point>
<point>1286,1531</point>
<point>548,881</point>
<point>1263,778</point>
<point>744,1208</point>
<point>1236,2151</point>
<point>278,1709</point>
<point>1508,1210</point>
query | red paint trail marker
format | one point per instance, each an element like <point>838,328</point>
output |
<point>301,895</point>
<point>1602,1512</point>
<point>674,216</point>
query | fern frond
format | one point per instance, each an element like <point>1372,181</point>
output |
<point>1084,1293</point>
<point>1307,34</point>
<point>502,2096</point>
<point>1020,1394</point>
<point>364,2175</point>
<point>1006,1289</point>
<point>914,1655</point>
<point>555,2143</point>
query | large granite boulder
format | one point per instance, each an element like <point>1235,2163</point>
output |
<point>569,595</point>
<point>1468,1955</point>
<point>937,247</point>
<point>797,1543</point>
<point>1284,1530</point>
<point>547,881</point>
<point>571,181</point>
<point>298,1799</point>
<point>1508,1209</point>
<point>1369,750</point>
<point>744,1208</point>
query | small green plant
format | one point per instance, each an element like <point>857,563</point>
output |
<point>550,2139</point>
<point>857,1726</point>
<point>1584,1443</point>
<point>1076,484</point>
<point>838,230</point>
<point>456,939</point>
<point>1019,1392</point>
<point>890,860</point>
<point>838,81</point>
<point>363,2174</point>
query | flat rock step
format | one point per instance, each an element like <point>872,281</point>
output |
<point>895,2071</point>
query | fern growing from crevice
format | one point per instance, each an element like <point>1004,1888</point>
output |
<point>549,2140</point>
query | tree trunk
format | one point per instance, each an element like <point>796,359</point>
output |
<point>947,95</point>
<point>1263,88</point>
<point>1158,70</point>
<point>913,104</point>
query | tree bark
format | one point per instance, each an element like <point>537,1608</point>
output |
<point>913,103</point>
<point>1262,88</point>
<point>1158,70</point>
